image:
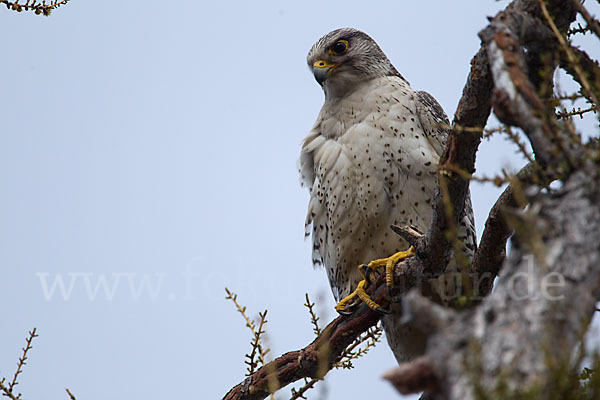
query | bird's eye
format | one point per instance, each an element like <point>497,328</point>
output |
<point>340,47</point>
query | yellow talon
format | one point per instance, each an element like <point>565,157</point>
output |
<point>360,291</point>
<point>392,261</point>
<point>361,294</point>
<point>341,306</point>
<point>389,264</point>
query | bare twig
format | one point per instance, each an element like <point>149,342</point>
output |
<point>299,393</point>
<point>567,49</point>
<point>33,5</point>
<point>22,359</point>
<point>579,29</point>
<point>314,319</point>
<point>71,396</point>
<point>572,97</point>
<point>575,112</point>
<point>318,357</point>
<point>592,23</point>
<point>257,344</point>
<point>516,140</point>
<point>257,348</point>
<point>590,68</point>
<point>354,351</point>
<point>496,180</point>
<point>6,392</point>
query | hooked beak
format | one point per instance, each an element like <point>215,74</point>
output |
<point>321,70</point>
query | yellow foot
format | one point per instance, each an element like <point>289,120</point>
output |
<point>361,294</point>
<point>389,264</point>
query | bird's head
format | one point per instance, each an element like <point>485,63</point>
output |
<point>345,58</point>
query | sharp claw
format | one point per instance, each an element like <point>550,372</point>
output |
<point>344,313</point>
<point>383,311</point>
<point>363,269</point>
<point>368,272</point>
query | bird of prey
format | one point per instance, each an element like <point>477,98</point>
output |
<point>371,161</point>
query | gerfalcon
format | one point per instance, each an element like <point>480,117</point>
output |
<point>371,161</point>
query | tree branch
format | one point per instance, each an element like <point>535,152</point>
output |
<point>515,100</point>
<point>491,251</point>
<point>511,344</point>
<point>433,249</point>
<point>316,359</point>
<point>534,322</point>
<point>587,65</point>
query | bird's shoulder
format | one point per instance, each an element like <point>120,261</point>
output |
<point>434,120</point>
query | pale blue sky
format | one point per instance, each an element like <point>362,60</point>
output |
<point>150,138</point>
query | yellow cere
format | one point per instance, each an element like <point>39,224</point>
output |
<point>323,64</point>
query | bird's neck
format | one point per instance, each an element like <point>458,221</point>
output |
<point>336,92</point>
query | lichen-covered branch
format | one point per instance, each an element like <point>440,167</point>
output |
<point>537,316</point>
<point>516,101</point>
<point>514,342</point>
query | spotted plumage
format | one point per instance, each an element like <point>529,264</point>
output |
<point>370,161</point>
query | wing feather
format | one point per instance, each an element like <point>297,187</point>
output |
<point>434,121</point>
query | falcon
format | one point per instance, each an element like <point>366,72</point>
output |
<point>371,161</point>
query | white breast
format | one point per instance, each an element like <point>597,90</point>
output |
<point>368,165</point>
